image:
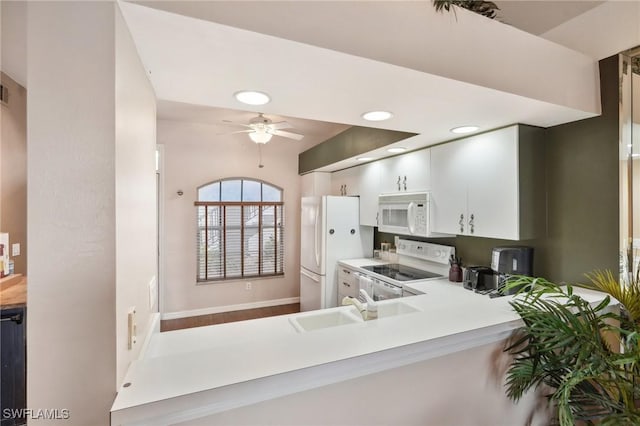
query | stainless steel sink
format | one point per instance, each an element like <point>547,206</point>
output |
<point>317,320</point>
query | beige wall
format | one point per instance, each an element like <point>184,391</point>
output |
<point>13,170</point>
<point>71,331</point>
<point>91,122</point>
<point>136,249</point>
<point>462,388</point>
<point>196,154</point>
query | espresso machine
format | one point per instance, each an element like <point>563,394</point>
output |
<point>507,261</point>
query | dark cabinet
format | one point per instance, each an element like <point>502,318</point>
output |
<point>13,368</point>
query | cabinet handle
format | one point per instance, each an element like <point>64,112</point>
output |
<point>346,272</point>
<point>461,223</point>
<point>398,183</point>
<point>347,284</point>
<point>377,218</point>
<point>404,182</point>
<point>471,223</point>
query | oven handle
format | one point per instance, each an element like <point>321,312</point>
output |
<point>382,288</point>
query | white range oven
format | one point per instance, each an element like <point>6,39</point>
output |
<point>417,261</point>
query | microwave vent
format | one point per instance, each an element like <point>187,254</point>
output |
<point>4,95</point>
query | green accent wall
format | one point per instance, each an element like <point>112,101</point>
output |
<point>353,141</point>
<point>582,193</point>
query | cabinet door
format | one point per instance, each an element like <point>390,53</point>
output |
<point>493,184</point>
<point>369,189</point>
<point>414,169</point>
<point>347,283</point>
<point>449,174</point>
<point>316,184</point>
<point>390,174</point>
<point>13,363</point>
<point>346,177</point>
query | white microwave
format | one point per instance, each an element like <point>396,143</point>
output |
<point>405,213</point>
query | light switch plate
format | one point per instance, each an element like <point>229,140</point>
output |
<point>15,249</point>
<point>131,327</point>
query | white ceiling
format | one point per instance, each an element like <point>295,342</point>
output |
<point>539,16</point>
<point>196,65</point>
<point>314,131</point>
<point>199,62</point>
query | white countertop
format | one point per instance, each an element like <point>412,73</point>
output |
<point>216,358</point>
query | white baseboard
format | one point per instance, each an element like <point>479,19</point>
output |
<point>229,308</point>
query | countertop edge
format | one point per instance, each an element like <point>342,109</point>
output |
<point>198,404</point>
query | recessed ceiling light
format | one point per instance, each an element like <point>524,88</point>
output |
<point>252,97</point>
<point>377,115</point>
<point>364,159</point>
<point>464,129</point>
<point>396,149</point>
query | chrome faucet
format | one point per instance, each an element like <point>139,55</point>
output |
<point>368,312</point>
<point>348,300</point>
<point>372,306</point>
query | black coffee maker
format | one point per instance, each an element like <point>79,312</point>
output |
<point>507,261</point>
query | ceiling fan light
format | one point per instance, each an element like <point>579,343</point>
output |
<point>377,115</point>
<point>260,137</point>
<point>252,97</point>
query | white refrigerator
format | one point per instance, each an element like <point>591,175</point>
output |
<point>330,231</point>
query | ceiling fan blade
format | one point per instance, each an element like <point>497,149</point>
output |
<point>232,123</point>
<point>287,134</point>
<point>233,133</point>
<point>280,125</point>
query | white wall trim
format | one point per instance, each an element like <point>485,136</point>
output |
<point>229,308</point>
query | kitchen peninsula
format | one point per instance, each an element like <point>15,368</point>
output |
<point>434,365</point>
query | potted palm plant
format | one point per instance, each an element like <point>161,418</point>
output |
<point>583,359</point>
<point>484,8</point>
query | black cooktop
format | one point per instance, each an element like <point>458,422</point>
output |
<point>401,272</point>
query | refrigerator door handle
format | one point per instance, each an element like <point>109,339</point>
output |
<point>308,275</point>
<point>317,237</point>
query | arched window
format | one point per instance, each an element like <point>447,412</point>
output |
<point>240,230</point>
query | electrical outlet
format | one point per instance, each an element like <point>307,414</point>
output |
<point>15,249</point>
<point>248,286</point>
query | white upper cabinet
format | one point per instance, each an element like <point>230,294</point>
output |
<point>486,185</point>
<point>315,184</point>
<point>345,182</point>
<point>448,201</point>
<point>406,173</point>
<point>362,181</point>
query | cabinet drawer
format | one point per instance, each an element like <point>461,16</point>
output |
<point>347,282</point>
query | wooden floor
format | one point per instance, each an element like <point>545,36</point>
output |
<point>202,320</point>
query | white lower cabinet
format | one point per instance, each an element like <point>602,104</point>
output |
<point>489,185</point>
<point>347,283</point>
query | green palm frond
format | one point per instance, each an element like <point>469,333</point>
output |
<point>485,8</point>
<point>561,348</point>
<point>628,295</point>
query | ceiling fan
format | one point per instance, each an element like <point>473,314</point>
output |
<point>261,129</point>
